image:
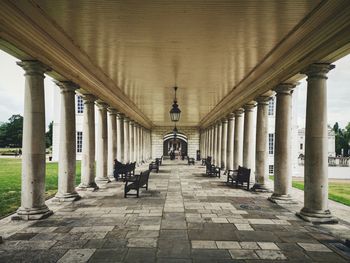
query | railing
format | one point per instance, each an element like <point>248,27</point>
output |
<point>332,161</point>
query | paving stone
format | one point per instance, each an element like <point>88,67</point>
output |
<point>140,255</point>
<point>173,248</point>
<point>77,255</point>
<point>173,234</point>
<point>249,245</point>
<point>22,236</point>
<point>270,254</point>
<point>30,256</point>
<point>67,244</point>
<point>95,243</point>
<point>244,227</point>
<point>211,231</point>
<point>142,242</point>
<point>325,257</point>
<point>210,254</point>
<point>108,255</point>
<point>257,236</point>
<point>173,260</point>
<point>204,244</point>
<point>268,245</point>
<point>243,254</point>
<point>227,245</point>
<point>314,247</point>
<point>94,235</point>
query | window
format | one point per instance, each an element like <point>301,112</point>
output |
<point>301,146</point>
<point>271,138</point>
<point>272,106</point>
<point>270,169</point>
<point>80,104</point>
<point>79,141</point>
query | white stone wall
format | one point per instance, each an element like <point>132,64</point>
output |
<point>158,133</point>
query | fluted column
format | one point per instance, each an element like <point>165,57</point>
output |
<point>224,143</point>
<point>218,143</point>
<point>283,144</point>
<point>135,143</point>
<point>316,147</point>
<point>142,145</point>
<point>126,140</point>
<point>215,140</point>
<point>238,139</point>
<point>102,137</point>
<point>261,153</point>
<point>230,143</point>
<point>88,150</point>
<point>120,138</point>
<point>67,148</point>
<point>33,156</point>
<point>112,140</point>
<point>248,136</point>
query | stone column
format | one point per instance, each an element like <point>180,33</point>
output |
<point>126,140</point>
<point>131,141</point>
<point>261,153</point>
<point>218,144</point>
<point>248,136</point>
<point>33,150</point>
<point>224,143</point>
<point>209,143</point>
<point>135,143</point>
<point>88,150</point>
<point>120,137</point>
<point>316,147</point>
<point>137,140</point>
<point>214,143</point>
<point>112,140</point>
<point>283,144</point>
<point>238,139</point>
<point>142,144</point>
<point>101,158</point>
<point>213,139</point>
<point>230,145</point>
<point>67,148</point>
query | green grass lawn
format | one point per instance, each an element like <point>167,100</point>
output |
<point>337,191</point>
<point>10,183</point>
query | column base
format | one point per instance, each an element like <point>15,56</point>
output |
<point>67,197</point>
<point>102,180</point>
<point>281,199</point>
<point>318,217</point>
<point>88,187</point>
<point>260,188</point>
<point>32,213</point>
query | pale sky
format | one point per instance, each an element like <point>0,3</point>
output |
<point>12,92</point>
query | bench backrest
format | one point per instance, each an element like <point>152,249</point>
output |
<point>143,177</point>
<point>243,174</point>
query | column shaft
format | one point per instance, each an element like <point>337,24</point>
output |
<point>238,139</point>
<point>33,147</point>
<point>112,140</point>
<point>67,148</point>
<point>224,144</point>
<point>316,147</point>
<point>126,141</point>
<point>230,143</point>
<point>120,138</point>
<point>261,154</point>
<point>283,144</point>
<point>88,150</point>
<point>248,137</point>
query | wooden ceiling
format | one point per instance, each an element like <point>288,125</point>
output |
<point>143,48</point>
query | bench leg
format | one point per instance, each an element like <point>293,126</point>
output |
<point>137,193</point>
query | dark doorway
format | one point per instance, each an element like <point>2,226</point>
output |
<point>176,145</point>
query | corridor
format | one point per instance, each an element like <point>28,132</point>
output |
<point>183,217</point>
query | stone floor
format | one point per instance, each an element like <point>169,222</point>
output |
<point>184,217</point>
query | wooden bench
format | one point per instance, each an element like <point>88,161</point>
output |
<point>154,165</point>
<point>123,171</point>
<point>240,176</point>
<point>136,182</point>
<point>190,161</point>
<point>211,169</point>
<point>159,160</point>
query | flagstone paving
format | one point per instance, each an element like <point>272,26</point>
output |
<point>183,217</point>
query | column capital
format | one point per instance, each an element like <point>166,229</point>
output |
<point>112,111</point>
<point>33,67</point>
<point>249,106</point>
<point>88,98</point>
<point>120,116</point>
<point>263,100</point>
<point>224,120</point>
<point>318,70</point>
<point>66,86</point>
<point>101,105</point>
<point>231,116</point>
<point>239,112</point>
<point>285,88</point>
<point>132,123</point>
<point>126,119</point>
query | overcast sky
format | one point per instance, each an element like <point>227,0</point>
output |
<point>12,92</point>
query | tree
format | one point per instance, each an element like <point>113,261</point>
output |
<point>48,135</point>
<point>342,139</point>
<point>11,132</point>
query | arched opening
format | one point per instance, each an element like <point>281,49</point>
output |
<point>176,145</point>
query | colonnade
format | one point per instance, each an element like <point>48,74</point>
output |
<point>232,142</point>
<point>118,137</point>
